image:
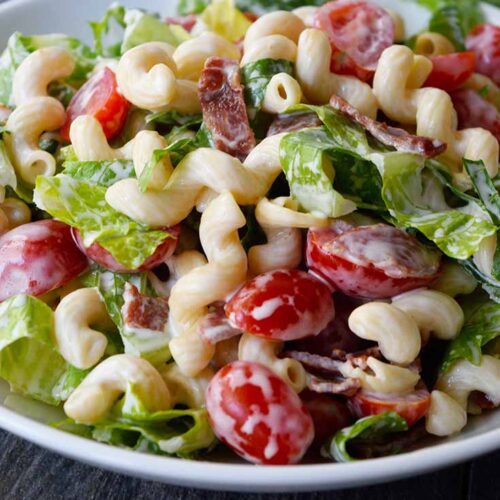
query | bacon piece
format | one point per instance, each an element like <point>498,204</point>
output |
<point>315,361</point>
<point>293,121</point>
<point>215,327</point>
<point>143,312</point>
<point>358,359</point>
<point>346,387</point>
<point>187,22</point>
<point>223,106</point>
<point>390,136</point>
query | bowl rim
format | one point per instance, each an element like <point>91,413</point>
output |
<point>234,477</point>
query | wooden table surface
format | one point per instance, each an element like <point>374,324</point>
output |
<point>29,472</point>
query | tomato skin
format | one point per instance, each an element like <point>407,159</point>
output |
<point>484,40</point>
<point>451,71</point>
<point>186,22</point>
<point>98,97</point>
<point>38,257</point>
<point>365,280</point>
<point>258,415</point>
<point>329,414</point>
<point>474,111</point>
<point>100,255</point>
<point>412,407</point>
<point>281,305</point>
<point>358,32</point>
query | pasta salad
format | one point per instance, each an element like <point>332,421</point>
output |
<point>269,225</point>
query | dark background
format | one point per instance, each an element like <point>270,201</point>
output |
<point>29,472</point>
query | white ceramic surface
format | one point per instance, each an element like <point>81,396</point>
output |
<point>481,435</point>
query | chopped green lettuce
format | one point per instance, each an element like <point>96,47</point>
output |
<point>481,327</point>
<point>132,27</point>
<point>185,7</point>
<point>83,205</point>
<point>223,18</point>
<point>130,425</point>
<point>454,18</point>
<point>20,46</point>
<point>310,173</point>
<point>255,77</point>
<point>29,359</point>
<point>400,175</point>
<point>104,173</point>
<point>365,430</point>
<point>173,117</point>
<point>149,345</point>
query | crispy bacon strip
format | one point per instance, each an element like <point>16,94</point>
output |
<point>215,327</point>
<point>358,358</point>
<point>292,122</point>
<point>345,387</point>
<point>315,361</point>
<point>223,106</point>
<point>143,312</point>
<point>390,136</point>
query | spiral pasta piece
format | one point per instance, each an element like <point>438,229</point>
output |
<point>26,124</point>
<point>196,290</point>
<point>397,84</point>
<point>204,168</point>
<point>41,67</point>
<point>319,84</point>
<point>147,76</point>
<point>109,380</point>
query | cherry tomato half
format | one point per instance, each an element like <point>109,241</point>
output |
<point>412,407</point>
<point>281,305</point>
<point>258,415</point>
<point>474,111</point>
<point>484,41</point>
<point>100,98</point>
<point>358,32</point>
<point>451,71</point>
<point>38,257</point>
<point>375,262</point>
<point>100,255</point>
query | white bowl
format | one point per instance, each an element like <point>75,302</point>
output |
<point>482,434</point>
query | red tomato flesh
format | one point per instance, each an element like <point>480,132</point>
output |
<point>38,257</point>
<point>329,414</point>
<point>281,305</point>
<point>474,111</point>
<point>374,262</point>
<point>412,407</point>
<point>258,415</point>
<point>484,41</point>
<point>100,255</point>
<point>358,32</point>
<point>98,97</point>
<point>451,71</point>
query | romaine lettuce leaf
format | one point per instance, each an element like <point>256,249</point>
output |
<point>456,233</point>
<point>255,77</point>
<point>29,359</point>
<point>173,117</point>
<point>20,46</point>
<point>132,27</point>
<point>111,286</point>
<point>481,327</point>
<point>171,432</point>
<point>104,173</point>
<point>310,173</point>
<point>83,205</point>
<point>454,18</point>
<point>223,18</point>
<point>177,150</point>
<point>489,283</point>
<point>366,429</point>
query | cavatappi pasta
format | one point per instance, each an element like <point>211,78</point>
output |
<point>214,226</point>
